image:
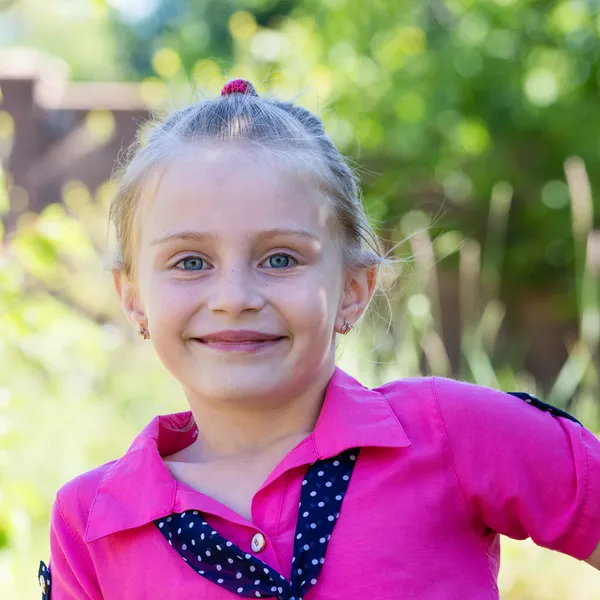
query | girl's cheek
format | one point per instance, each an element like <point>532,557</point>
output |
<point>297,298</point>
<point>167,296</point>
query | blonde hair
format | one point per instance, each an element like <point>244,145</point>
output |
<point>272,127</point>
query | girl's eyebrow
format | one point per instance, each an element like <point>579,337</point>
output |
<point>201,236</point>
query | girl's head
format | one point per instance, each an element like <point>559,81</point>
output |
<point>238,213</point>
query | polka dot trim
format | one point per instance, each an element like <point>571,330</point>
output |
<point>222,562</point>
<point>45,580</point>
<point>323,491</point>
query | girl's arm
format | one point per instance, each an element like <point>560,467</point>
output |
<point>523,472</point>
<point>72,572</point>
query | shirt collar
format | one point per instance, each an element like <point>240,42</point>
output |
<point>351,416</point>
<point>354,416</point>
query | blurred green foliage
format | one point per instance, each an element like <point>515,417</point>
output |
<point>439,99</point>
<point>436,101</point>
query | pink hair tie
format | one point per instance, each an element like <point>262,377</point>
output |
<point>238,86</point>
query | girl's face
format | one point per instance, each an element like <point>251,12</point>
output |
<point>230,243</point>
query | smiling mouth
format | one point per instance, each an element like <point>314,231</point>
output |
<point>240,345</point>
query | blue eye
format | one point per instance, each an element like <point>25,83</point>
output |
<point>281,260</point>
<point>190,258</point>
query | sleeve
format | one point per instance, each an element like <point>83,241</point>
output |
<point>72,572</point>
<point>523,472</point>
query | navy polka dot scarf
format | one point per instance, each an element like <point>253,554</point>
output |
<point>225,564</point>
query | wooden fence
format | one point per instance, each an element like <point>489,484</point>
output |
<point>53,131</point>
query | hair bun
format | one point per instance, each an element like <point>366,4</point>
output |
<point>238,86</point>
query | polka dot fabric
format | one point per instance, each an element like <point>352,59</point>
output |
<point>45,580</point>
<point>225,564</point>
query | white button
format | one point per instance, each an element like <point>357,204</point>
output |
<point>258,542</point>
<point>43,584</point>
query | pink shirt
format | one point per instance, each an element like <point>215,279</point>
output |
<point>444,467</point>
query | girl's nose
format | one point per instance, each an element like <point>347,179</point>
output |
<point>235,291</point>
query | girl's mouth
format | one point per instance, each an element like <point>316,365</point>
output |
<point>240,346</point>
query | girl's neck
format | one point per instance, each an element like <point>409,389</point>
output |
<point>233,433</point>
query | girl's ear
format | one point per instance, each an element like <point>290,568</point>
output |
<point>358,291</point>
<point>129,297</point>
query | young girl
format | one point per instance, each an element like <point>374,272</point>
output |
<point>244,251</point>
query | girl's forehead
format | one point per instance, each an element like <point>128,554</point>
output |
<point>219,164</point>
<point>233,191</point>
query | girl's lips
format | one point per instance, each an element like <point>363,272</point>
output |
<point>240,346</point>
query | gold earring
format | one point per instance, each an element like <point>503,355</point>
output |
<point>346,327</point>
<point>144,332</point>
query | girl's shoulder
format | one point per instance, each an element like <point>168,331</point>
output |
<point>465,402</point>
<point>75,498</point>
<point>421,389</point>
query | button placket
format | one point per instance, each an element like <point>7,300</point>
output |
<point>220,561</point>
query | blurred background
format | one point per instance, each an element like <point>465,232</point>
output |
<point>474,125</point>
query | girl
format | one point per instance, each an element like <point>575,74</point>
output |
<point>244,250</point>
